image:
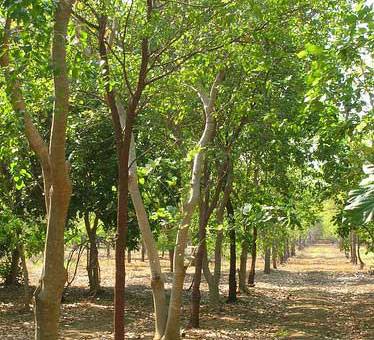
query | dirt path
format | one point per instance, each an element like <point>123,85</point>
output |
<point>316,295</point>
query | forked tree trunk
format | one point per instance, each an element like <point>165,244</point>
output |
<point>267,260</point>
<point>157,278</point>
<point>243,267</point>
<point>172,331</point>
<point>252,271</point>
<point>232,272</point>
<point>93,266</point>
<point>123,138</point>
<point>214,279</point>
<point>207,207</point>
<point>57,185</point>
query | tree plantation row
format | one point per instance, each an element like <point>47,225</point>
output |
<point>208,129</point>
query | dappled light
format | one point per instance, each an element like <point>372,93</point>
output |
<point>186,169</point>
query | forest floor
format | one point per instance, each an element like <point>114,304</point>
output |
<point>317,295</point>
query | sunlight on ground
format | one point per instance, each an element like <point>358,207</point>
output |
<point>316,295</point>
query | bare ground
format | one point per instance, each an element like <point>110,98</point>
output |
<point>316,295</point>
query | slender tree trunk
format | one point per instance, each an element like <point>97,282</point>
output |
<point>206,209</point>
<point>362,264</point>
<point>299,243</point>
<point>157,277</point>
<point>108,246</point>
<point>353,248</point>
<point>243,267</point>
<point>252,271</point>
<point>172,331</point>
<point>293,248</point>
<point>171,259</point>
<point>25,274</point>
<point>214,280</point>
<point>267,260</point>
<point>143,252</point>
<point>94,270</point>
<point>274,255</point>
<point>196,296</point>
<point>128,256</point>
<point>93,266</point>
<point>287,250</point>
<point>232,272</point>
<point>123,138</point>
<point>214,288</point>
<point>11,278</point>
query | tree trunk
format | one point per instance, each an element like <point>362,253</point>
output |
<point>362,264</point>
<point>252,271</point>
<point>172,331</point>
<point>232,272</point>
<point>55,170</point>
<point>123,137</point>
<point>56,174</point>
<point>353,247</point>
<point>11,278</point>
<point>93,266</point>
<point>206,209</point>
<point>214,280</point>
<point>300,244</point>
<point>143,252</point>
<point>274,255</point>
<point>267,260</point>
<point>195,295</point>
<point>287,250</point>
<point>171,259</point>
<point>128,256</point>
<point>25,274</point>
<point>293,248</point>
<point>243,267</point>
<point>157,278</point>
<point>108,251</point>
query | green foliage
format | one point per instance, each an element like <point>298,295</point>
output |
<point>360,203</point>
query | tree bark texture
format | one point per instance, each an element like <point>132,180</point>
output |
<point>252,271</point>
<point>55,170</point>
<point>274,255</point>
<point>243,267</point>
<point>232,271</point>
<point>93,266</point>
<point>14,271</point>
<point>267,260</point>
<point>172,331</point>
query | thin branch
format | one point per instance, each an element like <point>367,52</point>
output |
<point>85,21</point>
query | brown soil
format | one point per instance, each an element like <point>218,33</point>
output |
<point>316,295</point>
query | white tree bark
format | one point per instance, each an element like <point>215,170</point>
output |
<point>172,331</point>
<point>157,278</point>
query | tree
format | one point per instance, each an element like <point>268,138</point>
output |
<point>57,186</point>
